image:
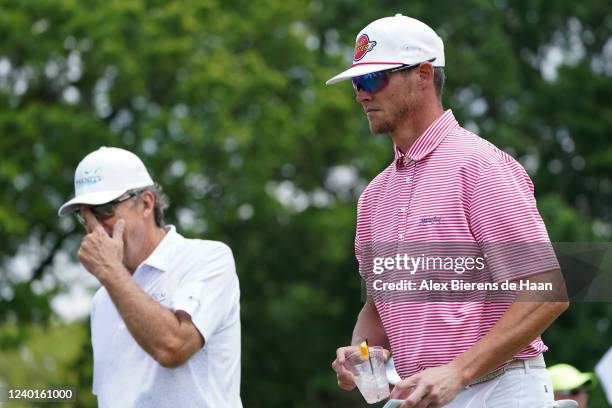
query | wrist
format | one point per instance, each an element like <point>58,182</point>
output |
<point>464,375</point>
<point>113,273</point>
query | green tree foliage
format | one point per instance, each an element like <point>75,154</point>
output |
<point>48,359</point>
<point>225,101</point>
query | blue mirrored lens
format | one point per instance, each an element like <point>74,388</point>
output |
<point>371,83</point>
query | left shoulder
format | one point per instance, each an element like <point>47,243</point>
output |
<point>476,152</point>
<point>208,250</point>
<point>206,246</point>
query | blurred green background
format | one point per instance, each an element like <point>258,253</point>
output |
<point>225,102</point>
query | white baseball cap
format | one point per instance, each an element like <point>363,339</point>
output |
<point>105,175</point>
<point>391,42</point>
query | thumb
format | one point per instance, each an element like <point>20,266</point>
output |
<point>401,389</point>
<point>118,230</point>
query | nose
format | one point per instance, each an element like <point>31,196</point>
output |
<point>362,96</point>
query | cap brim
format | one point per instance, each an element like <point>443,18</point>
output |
<point>96,198</point>
<point>588,380</point>
<point>576,381</point>
<point>360,70</point>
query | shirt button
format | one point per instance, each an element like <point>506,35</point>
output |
<point>408,178</point>
<point>400,236</point>
<point>402,210</point>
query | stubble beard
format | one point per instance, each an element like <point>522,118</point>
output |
<point>390,125</point>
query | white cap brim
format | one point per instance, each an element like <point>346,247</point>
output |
<point>96,198</point>
<point>361,69</point>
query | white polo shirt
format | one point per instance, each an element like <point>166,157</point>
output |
<point>192,275</point>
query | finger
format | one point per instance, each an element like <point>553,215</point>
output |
<point>426,402</point>
<point>118,230</point>
<point>347,383</point>
<point>402,389</point>
<point>345,370</point>
<point>343,374</point>
<point>91,221</point>
<point>430,404</point>
<point>343,352</point>
<point>416,396</point>
<point>346,386</point>
<point>81,252</point>
<point>340,355</point>
<point>346,380</point>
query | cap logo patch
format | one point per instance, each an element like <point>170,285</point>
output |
<point>363,46</point>
<point>89,177</point>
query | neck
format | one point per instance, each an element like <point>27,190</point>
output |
<point>151,241</point>
<point>155,238</point>
<point>414,125</point>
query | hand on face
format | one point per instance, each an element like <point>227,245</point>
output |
<point>100,253</point>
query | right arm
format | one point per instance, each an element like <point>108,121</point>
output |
<point>368,326</point>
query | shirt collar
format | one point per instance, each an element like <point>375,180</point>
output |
<point>429,140</point>
<point>162,254</point>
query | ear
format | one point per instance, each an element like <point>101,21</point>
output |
<point>148,200</point>
<point>426,75</point>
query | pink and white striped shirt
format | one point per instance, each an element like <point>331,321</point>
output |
<point>450,187</point>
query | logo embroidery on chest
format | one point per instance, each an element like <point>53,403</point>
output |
<point>159,297</point>
<point>434,220</point>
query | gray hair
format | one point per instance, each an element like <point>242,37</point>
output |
<point>161,203</point>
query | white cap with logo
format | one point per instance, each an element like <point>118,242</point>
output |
<point>105,175</point>
<point>392,42</point>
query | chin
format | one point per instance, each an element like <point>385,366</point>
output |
<point>374,127</point>
<point>381,129</point>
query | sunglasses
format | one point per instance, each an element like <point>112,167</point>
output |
<point>377,81</point>
<point>105,211</point>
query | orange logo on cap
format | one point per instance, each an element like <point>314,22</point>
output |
<point>363,46</point>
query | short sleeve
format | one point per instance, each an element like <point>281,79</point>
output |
<point>357,247</point>
<point>210,294</point>
<point>94,387</point>
<point>504,220</point>
<point>362,244</point>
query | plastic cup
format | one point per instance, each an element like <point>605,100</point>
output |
<point>370,379</point>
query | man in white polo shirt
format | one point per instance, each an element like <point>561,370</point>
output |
<point>449,187</point>
<point>166,322</point>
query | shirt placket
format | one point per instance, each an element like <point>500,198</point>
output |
<point>406,179</point>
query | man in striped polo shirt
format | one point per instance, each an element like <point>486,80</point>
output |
<point>447,186</point>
